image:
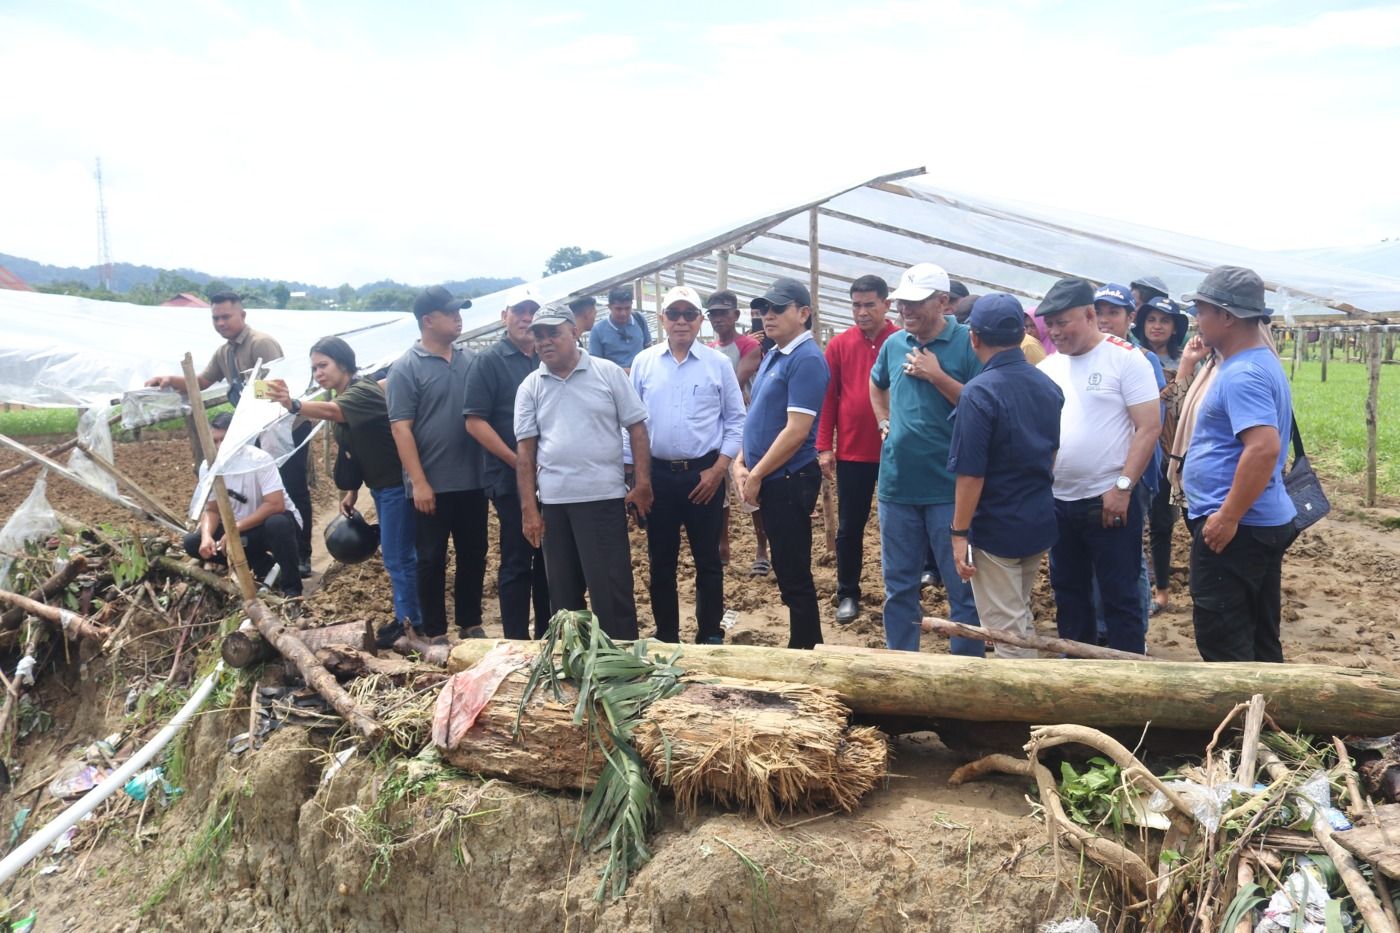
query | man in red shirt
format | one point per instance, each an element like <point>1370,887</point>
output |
<point>852,458</point>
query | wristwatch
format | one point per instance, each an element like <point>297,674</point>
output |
<point>1123,484</point>
<point>296,406</point>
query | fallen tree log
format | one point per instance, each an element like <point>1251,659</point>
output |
<point>1104,694</point>
<point>1066,646</point>
<point>57,583</point>
<point>198,574</point>
<point>312,671</point>
<point>72,625</point>
<point>247,646</point>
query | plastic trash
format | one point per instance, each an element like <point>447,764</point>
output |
<point>64,841</point>
<point>341,757</point>
<point>1307,888</point>
<point>33,521</point>
<point>94,433</point>
<point>24,670</point>
<point>1206,803</point>
<point>17,825</point>
<point>1068,925</point>
<point>142,407</point>
<point>139,787</point>
<point>25,924</point>
<point>1318,791</point>
<point>76,779</point>
<point>729,619</point>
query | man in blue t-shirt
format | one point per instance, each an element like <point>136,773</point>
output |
<point>914,385</point>
<point>1239,512</point>
<point>623,333</point>
<point>777,467</point>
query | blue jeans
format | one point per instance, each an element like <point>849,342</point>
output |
<point>907,534</point>
<point>396,523</point>
<point>1086,551</point>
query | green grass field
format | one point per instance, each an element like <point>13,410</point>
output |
<point>1331,415</point>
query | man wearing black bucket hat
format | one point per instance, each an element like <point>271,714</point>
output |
<point>1239,512</point>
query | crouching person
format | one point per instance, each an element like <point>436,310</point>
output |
<point>1006,430</point>
<point>267,520</point>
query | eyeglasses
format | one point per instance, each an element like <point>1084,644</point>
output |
<point>676,314</point>
<point>775,309</point>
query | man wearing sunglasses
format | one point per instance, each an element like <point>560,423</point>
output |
<point>570,416</point>
<point>777,465</point>
<point>695,420</point>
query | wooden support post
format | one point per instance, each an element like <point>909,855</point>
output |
<point>680,273</point>
<point>813,251</point>
<point>1326,347</point>
<point>1297,351</point>
<point>1389,346</point>
<point>1373,362</point>
<point>656,285</point>
<point>639,294</point>
<point>233,544</point>
<point>722,271</point>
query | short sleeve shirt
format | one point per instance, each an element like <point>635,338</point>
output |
<point>1006,430</point>
<point>579,421</point>
<point>619,344</point>
<point>495,376</point>
<point>737,349</point>
<point>914,456</point>
<point>365,433</point>
<point>242,352</point>
<point>791,378</point>
<point>430,391</point>
<point>1095,426</point>
<point>250,477</point>
<point>1250,390</point>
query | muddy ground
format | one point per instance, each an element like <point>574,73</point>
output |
<point>260,841</point>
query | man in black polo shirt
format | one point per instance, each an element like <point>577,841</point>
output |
<point>490,411</point>
<point>1006,430</point>
<point>442,461</point>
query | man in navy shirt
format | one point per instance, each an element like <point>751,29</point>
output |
<point>777,466</point>
<point>1006,430</point>
<point>1239,512</point>
<point>621,335</point>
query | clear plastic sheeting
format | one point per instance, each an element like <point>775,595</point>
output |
<point>33,521</point>
<point>144,407</point>
<point>94,434</point>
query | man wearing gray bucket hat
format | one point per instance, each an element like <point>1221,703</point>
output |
<point>1239,512</point>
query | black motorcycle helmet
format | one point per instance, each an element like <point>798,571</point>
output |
<point>351,540</point>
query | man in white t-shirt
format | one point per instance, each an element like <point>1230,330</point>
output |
<point>1108,428</point>
<point>267,519</point>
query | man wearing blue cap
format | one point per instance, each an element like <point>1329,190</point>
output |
<point>1240,514</point>
<point>1108,428</point>
<point>1006,430</point>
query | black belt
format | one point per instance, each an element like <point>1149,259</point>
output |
<point>702,462</point>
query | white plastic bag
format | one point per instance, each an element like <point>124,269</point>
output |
<point>94,433</point>
<point>33,521</point>
<point>1206,803</point>
<point>142,407</point>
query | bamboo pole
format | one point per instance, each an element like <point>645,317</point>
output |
<point>1169,694</point>
<point>31,464</point>
<point>1373,362</point>
<point>312,670</point>
<point>73,625</point>
<point>1066,646</point>
<point>813,255</point>
<point>152,504</point>
<point>233,544</point>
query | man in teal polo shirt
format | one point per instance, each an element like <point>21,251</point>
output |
<point>914,385</point>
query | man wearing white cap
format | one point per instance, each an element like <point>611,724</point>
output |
<point>695,421</point>
<point>914,386</point>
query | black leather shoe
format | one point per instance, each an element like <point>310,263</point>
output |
<point>388,635</point>
<point>304,568</point>
<point>847,610</point>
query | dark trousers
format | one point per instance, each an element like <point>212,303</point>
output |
<point>704,524</point>
<point>1087,551</point>
<point>274,542</point>
<point>1160,519</point>
<point>855,485</point>
<point>787,502</point>
<point>1237,593</point>
<point>293,473</point>
<point>521,580</point>
<point>461,515</point>
<point>586,548</point>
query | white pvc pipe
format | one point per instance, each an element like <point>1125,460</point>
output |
<point>41,840</point>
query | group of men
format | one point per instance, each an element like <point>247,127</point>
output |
<point>980,462</point>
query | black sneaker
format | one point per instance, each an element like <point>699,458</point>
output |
<point>388,635</point>
<point>304,568</point>
<point>475,631</point>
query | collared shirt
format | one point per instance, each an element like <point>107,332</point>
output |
<point>429,391</point>
<point>914,457</point>
<point>579,421</point>
<point>694,407</point>
<point>1250,390</point>
<point>236,357</point>
<point>1006,430</point>
<point>790,378</point>
<point>619,343</point>
<point>495,376</point>
<point>847,412</point>
<point>249,477</point>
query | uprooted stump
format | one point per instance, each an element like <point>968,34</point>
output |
<point>758,747</point>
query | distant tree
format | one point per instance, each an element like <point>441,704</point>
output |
<point>345,295</point>
<point>79,289</point>
<point>390,299</point>
<point>571,257</point>
<point>280,294</point>
<point>214,286</point>
<point>304,303</point>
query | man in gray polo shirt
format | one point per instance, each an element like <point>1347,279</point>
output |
<point>569,418</point>
<point>442,462</point>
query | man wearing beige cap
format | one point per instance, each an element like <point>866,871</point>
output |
<point>695,421</point>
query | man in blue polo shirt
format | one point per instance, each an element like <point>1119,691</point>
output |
<point>777,466</point>
<point>621,335</point>
<point>914,385</point>
<point>1006,430</point>
<point>1239,512</point>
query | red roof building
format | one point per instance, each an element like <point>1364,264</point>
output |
<point>13,282</point>
<point>185,300</point>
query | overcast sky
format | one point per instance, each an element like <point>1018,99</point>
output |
<point>354,141</point>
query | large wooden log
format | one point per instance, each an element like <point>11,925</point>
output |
<point>1104,694</point>
<point>57,583</point>
<point>73,625</point>
<point>246,646</point>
